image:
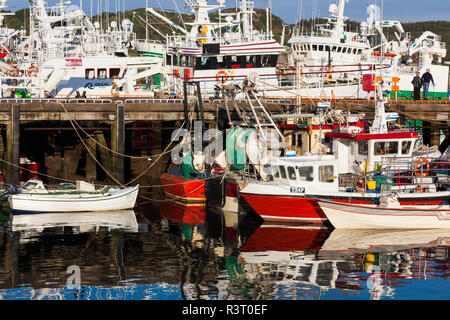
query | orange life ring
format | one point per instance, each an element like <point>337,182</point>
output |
<point>222,77</point>
<point>418,163</point>
<point>32,71</point>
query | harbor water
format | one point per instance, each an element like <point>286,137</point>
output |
<point>167,251</point>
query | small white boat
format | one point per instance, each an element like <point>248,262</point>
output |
<point>35,197</point>
<point>389,214</point>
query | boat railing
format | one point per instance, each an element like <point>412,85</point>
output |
<point>402,175</point>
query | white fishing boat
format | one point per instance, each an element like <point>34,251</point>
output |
<point>66,55</point>
<point>389,214</point>
<point>331,59</point>
<point>35,197</point>
<point>218,53</point>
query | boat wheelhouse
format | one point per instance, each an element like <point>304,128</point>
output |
<point>330,60</point>
<point>221,53</point>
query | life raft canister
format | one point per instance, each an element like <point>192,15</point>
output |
<point>368,82</point>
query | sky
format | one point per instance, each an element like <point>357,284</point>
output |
<point>403,10</point>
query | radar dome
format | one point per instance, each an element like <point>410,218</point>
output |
<point>332,8</point>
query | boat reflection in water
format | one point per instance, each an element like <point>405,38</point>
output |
<point>305,262</point>
<point>283,258</point>
<point>32,224</point>
<point>389,257</point>
<point>174,252</point>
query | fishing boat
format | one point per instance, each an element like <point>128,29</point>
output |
<point>360,164</point>
<point>389,214</point>
<point>183,188</point>
<point>66,55</point>
<point>330,59</point>
<point>222,52</point>
<point>33,196</point>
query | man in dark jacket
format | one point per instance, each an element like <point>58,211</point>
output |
<point>426,79</point>
<point>417,84</point>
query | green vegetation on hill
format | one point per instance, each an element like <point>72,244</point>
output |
<point>442,28</point>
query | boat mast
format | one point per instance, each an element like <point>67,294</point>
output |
<point>379,123</point>
<point>340,19</point>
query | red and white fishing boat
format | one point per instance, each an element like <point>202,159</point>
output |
<point>389,214</point>
<point>345,176</point>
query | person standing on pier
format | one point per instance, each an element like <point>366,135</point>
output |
<point>426,79</point>
<point>417,84</point>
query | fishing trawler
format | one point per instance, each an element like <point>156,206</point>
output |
<point>329,60</point>
<point>67,56</point>
<point>219,53</point>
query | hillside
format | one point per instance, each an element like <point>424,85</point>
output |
<point>442,28</point>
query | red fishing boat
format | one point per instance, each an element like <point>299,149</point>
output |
<point>178,187</point>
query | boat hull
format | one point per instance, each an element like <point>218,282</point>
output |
<point>123,199</point>
<point>184,190</point>
<point>374,217</point>
<point>281,208</point>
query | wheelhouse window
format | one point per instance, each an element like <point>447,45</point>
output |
<point>406,147</point>
<point>90,74</point>
<point>291,173</point>
<point>275,172</point>
<point>269,61</point>
<point>305,173</point>
<point>363,148</point>
<point>102,74</point>
<point>385,147</point>
<point>326,174</point>
<point>114,73</point>
<point>282,172</point>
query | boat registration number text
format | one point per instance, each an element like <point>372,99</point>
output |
<point>297,190</point>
